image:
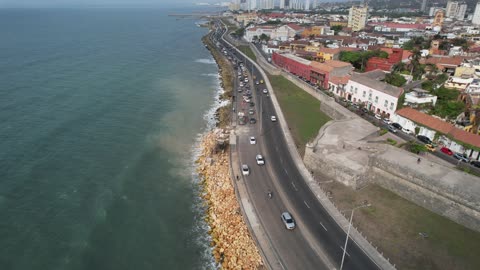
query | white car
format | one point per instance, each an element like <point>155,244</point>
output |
<point>378,116</point>
<point>265,91</point>
<point>260,160</point>
<point>253,140</point>
<point>407,131</point>
<point>273,118</point>
<point>288,221</point>
<point>245,169</point>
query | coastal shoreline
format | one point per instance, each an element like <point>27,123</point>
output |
<point>233,246</point>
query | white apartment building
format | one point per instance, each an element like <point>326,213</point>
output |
<point>284,4</point>
<point>265,4</point>
<point>461,10</point>
<point>455,10</point>
<point>252,4</point>
<point>296,4</point>
<point>307,4</point>
<point>451,9</point>
<point>476,14</point>
<point>377,96</point>
<point>357,17</point>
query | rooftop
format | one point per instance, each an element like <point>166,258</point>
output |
<point>297,59</point>
<point>377,85</point>
<point>440,126</point>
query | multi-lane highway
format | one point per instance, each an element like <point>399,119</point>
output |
<point>317,241</point>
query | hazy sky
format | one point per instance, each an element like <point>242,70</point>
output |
<point>80,3</point>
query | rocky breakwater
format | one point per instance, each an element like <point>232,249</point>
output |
<point>233,245</point>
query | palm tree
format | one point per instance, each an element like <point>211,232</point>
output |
<point>399,67</point>
<point>415,60</point>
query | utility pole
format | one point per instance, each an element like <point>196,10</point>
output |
<point>348,233</point>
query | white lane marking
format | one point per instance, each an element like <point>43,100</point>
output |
<point>345,251</point>
<point>294,187</point>
<point>324,227</point>
<point>286,172</point>
<point>306,204</point>
<point>281,264</point>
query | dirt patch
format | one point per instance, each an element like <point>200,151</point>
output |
<point>394,225</point>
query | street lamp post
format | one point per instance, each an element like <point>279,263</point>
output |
<point>348,233</point>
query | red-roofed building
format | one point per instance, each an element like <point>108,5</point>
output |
<point>456,139</point>
<point>293,64</point>
<point>315,72</point>
<point>385,64</point>
<point>445,64</point>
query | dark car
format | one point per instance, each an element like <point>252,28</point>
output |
<point>253,121</point>
<point>392,129</point>
<point>252,104</point>
<point>424,139</point>
<point>475,163</point>
<point>397,126</point>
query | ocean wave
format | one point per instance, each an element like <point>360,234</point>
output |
<point>209,61</point>
<point>216,75</point>
<point>201,227</point>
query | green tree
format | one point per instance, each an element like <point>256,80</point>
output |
<point>409,45</point>
<point>336,28</point>
<point>441,78</point>
<point>428,85</point>
<point>447,104</point>
<point>264,37</point>
<point>395,79</point>
<point>239,32</point>
<point>351,57</point>
<point>399,67</point>
<point>359,58</point>
<point>416,70</point>
<point>416,147</point>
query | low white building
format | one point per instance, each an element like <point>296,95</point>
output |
<point>257,31</point>
<point>286,32</point>
<point>269,49</point>
<point>377,96</point>
<point>439,131</point>
<point>474,87</point>
<point>420,97</point>
<point>458,83</point>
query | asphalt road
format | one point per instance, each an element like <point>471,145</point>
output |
<point>297,249</point>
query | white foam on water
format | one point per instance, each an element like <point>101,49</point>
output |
<point>201,227</point>
<point>209,61</point>
<point>211,75</point>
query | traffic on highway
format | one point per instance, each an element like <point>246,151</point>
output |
<point>299,229</point>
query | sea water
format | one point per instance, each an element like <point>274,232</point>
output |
<point>100,112</point>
